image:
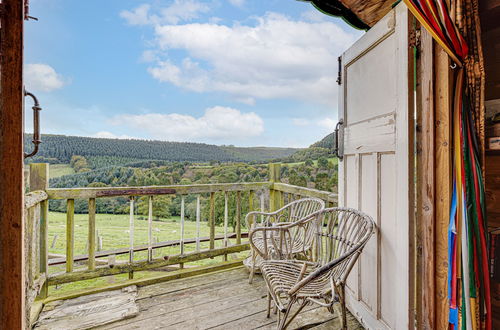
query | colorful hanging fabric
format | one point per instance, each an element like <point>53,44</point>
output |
<point>468,273</point>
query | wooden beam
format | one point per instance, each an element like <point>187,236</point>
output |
<point>81,275</point>
<point>12,287</point>
<point>183,273</point>
<point>443,122</point>
<point>39,182</point>
<point>309,192</point>
<point>86,193</point>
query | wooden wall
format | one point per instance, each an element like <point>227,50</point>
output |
<point>490,26</point>
<point>11,166</point>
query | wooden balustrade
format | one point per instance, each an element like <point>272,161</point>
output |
<point>264,196</point>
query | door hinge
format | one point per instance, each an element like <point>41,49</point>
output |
<point>414,38</point>
<point>339,75</point>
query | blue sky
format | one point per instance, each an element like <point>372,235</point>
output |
<point>242,72</point>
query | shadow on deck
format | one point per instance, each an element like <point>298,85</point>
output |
<point>220,300</point>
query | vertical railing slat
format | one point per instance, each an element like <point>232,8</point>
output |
<point>226,219</point>
<point>44,249</point>
<point>262,206</point>
<point>238,217</point>
<point>150,228</point>
<point>198,219</point>
<point>91,236</point>
<point>182,227</point>
<point>251,197</point>
<point>212,220</point>
<point>131,236</point>
<point>70,234</point>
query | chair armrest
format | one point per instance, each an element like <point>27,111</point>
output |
<point>255,214</point>
<point>268,236</point>
<point>324,269</point>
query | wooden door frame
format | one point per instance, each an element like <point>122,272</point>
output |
<point>433,183</point>
<point>12,285</point>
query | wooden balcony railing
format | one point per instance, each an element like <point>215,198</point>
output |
<point>269,195</point>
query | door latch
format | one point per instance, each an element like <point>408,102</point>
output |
<point>338,146</point>
<point>36,124</point>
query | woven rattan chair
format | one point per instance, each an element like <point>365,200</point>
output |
<point>302,238</point>
<point>341,237</point>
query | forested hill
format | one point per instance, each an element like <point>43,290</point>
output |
<point>326,142</point>
<point>60,148</point>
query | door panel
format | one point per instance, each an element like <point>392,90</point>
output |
<point>373,176</point>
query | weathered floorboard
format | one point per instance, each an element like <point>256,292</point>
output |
<point>222,300</point>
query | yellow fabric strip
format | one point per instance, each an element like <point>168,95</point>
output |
<point>429,29</point>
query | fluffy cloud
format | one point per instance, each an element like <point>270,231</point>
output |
<point>179,10</point>
<point>42,77</point>
<point>325,124</point>
<point>275,58</point>
<point>217,123</point>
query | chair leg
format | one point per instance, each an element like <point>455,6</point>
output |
<point>268,305</point>
<point>252,268</point>
<point>282,323</point>
<point>344,310</point>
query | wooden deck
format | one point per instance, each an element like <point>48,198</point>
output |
<point>221,300</point>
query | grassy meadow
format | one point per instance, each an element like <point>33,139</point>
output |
<point>114,231</point>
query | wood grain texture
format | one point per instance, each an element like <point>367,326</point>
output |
<point>12,291</point>
<point>425,185</point>
<point>443,182</point>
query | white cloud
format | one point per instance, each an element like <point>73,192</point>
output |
<point>217,123</point>
<point>324,124</point>
<point>179,10</point>
<point>109,135</point>
<point>237,3</point>
<point>42,77</point>
<point>327,123</point>
<point>276,58</point>
<point>137,16</point>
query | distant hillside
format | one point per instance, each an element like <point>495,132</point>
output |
<point>326,142</point>
<point>105,152</point>
<point>322,148</point>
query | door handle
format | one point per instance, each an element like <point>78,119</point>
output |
<point>338,146</point>
<point>36,124</point>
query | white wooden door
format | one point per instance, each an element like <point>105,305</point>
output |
<point>373,174</point>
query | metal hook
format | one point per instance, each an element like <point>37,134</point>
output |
<point>453,65</point>
<point>36,124</point>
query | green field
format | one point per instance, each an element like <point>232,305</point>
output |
<point>335,160</point>
<point>57,170</point>
<point>114,230</point>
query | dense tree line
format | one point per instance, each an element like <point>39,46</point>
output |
<point>106,152</point>
<point>321,174</point>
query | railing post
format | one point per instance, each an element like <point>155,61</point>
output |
<point>70,234</point>
<point>274,196</point>
<point>238,217</point>
<point>39,180</point>
<point>212,220</point>
<point>92,229</point>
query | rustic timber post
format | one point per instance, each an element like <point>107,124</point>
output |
<point>274,196</point>
<point>12,288</point>
<point>39,180</point>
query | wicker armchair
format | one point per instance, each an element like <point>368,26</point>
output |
<point>340,239</point>
<point>289,214</point>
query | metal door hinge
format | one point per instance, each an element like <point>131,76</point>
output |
<point>339,76</point>
<point>414,38</point>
